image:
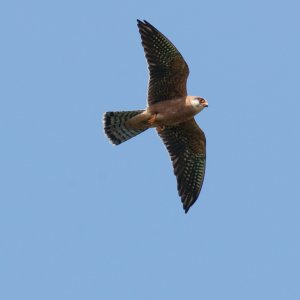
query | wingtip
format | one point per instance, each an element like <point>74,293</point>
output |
<point>143,22</point>
<point>187,203</point>
<point>185,206</point>
<point>140,23</point>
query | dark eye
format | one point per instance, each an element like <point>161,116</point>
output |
<point>202,100</point>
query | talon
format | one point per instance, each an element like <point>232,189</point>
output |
<point>160,128</point>
<point>152,119</point>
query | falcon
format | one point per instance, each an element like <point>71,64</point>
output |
<point>170,111</point>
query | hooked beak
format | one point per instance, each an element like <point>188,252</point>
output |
<point>205,104</point>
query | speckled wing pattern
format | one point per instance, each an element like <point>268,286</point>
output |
<point>168,70</point>
<point>186,145</point>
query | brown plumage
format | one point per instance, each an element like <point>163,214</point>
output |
<point>186,145</point>
<point>170,110</point>
<point>168,70</point>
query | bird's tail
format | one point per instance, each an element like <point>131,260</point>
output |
<point>115,126</point>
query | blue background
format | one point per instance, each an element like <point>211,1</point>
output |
<point>81,219</point>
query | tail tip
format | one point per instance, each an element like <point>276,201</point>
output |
<point>107,123</point>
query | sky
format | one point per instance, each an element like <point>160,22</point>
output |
<point>82,219</point>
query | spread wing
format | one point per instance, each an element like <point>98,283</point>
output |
<point>168,70</point>
<point>186,145</point>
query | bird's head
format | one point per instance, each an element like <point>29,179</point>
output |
<point>198,103</point>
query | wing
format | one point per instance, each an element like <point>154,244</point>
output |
<point>186,145</point>
<point>167,68</point>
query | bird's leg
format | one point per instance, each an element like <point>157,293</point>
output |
<point>152,119</point>
<point>160,128</point>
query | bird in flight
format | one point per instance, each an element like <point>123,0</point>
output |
<point>170,111</point>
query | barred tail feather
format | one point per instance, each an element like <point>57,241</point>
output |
<point>115,126</point>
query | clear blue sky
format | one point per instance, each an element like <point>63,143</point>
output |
<point>81,219</point>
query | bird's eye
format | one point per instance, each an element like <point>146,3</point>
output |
<point>202,100</point>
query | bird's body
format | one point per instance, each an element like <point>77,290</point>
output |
<point>167,113</point>
<point>170,110</point>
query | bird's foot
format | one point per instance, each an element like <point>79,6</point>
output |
<point>160,128</point>
<point>152,119</point>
